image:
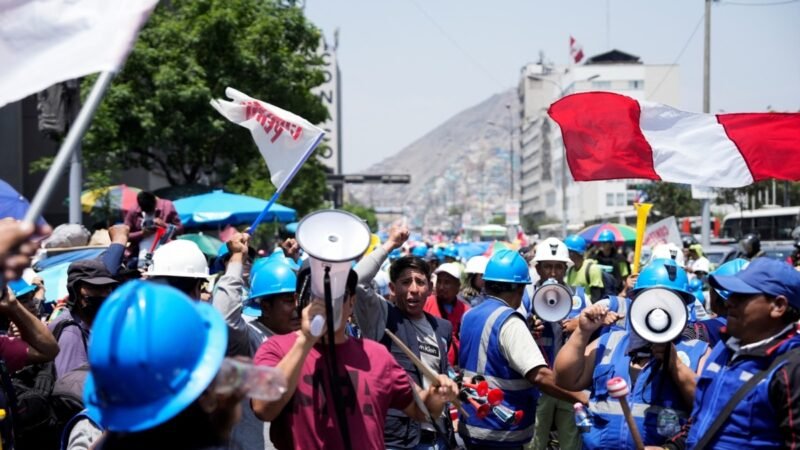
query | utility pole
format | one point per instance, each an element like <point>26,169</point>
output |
<point>706,203</point>
<point>511,148</point>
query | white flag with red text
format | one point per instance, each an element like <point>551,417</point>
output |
<point>43,42</point>
<point>285,140</point>
<point>575,50</point>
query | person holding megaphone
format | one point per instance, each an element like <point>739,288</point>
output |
<point>497,345</point>
<point>658,365</point>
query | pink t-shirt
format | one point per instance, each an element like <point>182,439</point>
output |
<point>309,419</point>
<point>14,352</point>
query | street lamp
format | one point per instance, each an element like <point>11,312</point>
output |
<point>510,144</point>
<point>561,92</point>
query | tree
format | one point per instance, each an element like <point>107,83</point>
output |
<point>671,199</point>
<point>367,214</point>
<point>156,114</point>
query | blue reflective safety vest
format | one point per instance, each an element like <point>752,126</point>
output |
<point>655,402</point>
<point>753,423</point>
<point>481,355</point>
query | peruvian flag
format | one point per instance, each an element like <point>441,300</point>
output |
<point>575,50</point>
<point>610,136</point>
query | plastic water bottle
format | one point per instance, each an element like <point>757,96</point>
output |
<point>582,419</point>
<point>258,382</point>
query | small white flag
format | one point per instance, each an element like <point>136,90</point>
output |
<point>43,42</point>
<point>284,139</point>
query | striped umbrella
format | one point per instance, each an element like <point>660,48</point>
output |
<point>622,233</point>
<point>120,197</point>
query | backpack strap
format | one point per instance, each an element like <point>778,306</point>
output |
<point>793,354</point>
<point>59,328</point>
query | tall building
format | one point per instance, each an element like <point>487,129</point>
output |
<point>542,150</point>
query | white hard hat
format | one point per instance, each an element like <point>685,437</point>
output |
<point>452,269</point>
<point>668,251</point>
<point>477,264</point>
<point>552,249</point>
<point>179,258</point>
<point>702,265</point>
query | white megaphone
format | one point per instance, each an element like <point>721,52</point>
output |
<point>552,302</point>
<point>658,315</point>
<point>333,240</point>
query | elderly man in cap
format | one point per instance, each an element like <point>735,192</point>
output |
<point>88,283</point>
<point>748,395</point>
<point>446,303</point>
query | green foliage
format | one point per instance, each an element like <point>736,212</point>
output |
<point>365,213</point>
<point>756,191</point>
<point>670,199</point>
<point>156,114</point>
<point>498,220</point>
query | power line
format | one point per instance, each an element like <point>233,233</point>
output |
<point>784,2</point>
<point>685,46</point>
<point>455,43</point>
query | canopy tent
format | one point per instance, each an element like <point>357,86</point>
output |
<point>220,208</point>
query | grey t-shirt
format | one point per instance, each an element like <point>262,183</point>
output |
<point>428,352</point>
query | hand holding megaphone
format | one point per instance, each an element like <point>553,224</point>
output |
<point>313,320</point>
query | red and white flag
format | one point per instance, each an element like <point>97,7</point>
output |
<point>46,42</point>
<point>575,50</point>
<point>285,140</point>
<point>610,136</point>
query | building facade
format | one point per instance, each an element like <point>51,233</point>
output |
<point>542,159</point>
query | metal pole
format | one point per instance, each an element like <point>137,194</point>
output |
<point>75,183</point>
<point>69,145</point>
<point>706,203</point>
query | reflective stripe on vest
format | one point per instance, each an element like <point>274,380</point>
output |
<point>499,435</point>
<point>499,383</point>
<point>485,335</point>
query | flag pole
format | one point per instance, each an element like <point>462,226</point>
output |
<point>69,145</point>
<point>285,183</point>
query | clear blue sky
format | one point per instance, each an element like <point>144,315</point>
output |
<point>409,65</point>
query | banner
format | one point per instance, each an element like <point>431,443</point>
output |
<point>285,140</point>
<point>46,42</point>
<point>512,213</point>
<point>662,232</point>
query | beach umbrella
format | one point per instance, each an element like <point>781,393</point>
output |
<point>622,233</point>
<point>118,197</point>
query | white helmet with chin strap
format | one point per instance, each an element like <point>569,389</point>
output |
<point>552,249</point>
<point>178,258</point>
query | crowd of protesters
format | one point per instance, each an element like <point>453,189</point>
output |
<point>150,343</point>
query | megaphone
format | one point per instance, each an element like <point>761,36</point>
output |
<point>333,240</point>
<point>552,302</point>
<point>658,315</point>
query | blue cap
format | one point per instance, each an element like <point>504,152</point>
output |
<point>763,276</point>
<point>606,236</point>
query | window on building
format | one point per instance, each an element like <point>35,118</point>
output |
<point>620,199</point>
<point>636,84</point>
<point>601,84</point>
<point>609,199</point>
<point>631,196</point>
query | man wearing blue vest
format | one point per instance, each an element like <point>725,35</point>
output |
<point>661,377</point>
<point>496,344</point>
<point>748,396</point>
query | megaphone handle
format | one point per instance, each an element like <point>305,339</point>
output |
<point>626,411</point>
<point>317,324</point>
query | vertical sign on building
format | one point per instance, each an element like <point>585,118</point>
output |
<point>329,152</point>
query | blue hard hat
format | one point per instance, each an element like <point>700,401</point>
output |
<point>507,266</point>
<point>420,251</point>
<point>606,236</point>
<point>152,352</point>
<point>395,254</point>
<point>729,269</point>
<point>575,243</point>
<point>279,256</point>
<point>695,284</point>
<point>272,278</point>
<point>439,253</point>
<point>451,252</point>
<point>21,287</point>
<point>665,274</point>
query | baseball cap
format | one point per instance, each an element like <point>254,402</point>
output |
<point>21,287</point>
<point>89,271</point>
<point>452,269</point>
<point>763,276</point>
